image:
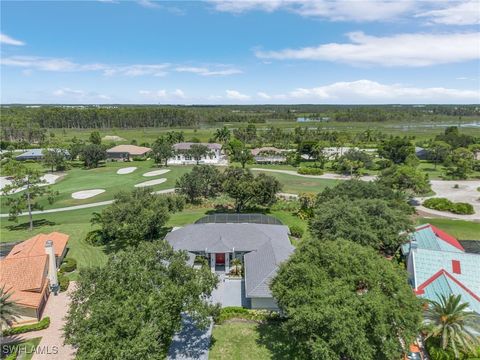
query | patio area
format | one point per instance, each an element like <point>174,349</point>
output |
<point>230,292</point>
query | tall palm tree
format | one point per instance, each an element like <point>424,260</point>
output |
<point>222,134</point>
<point>449,320</point>
<point>8,309</point>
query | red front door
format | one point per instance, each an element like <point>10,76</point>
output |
<point>220,258</point>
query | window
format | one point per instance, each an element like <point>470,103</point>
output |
<point>456,267</point>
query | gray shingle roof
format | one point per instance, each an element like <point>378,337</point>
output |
<point>267,247</point>
<point>188,145</point>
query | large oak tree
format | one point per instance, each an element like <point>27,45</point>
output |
<point>342,300</point>
<point>131,307</point>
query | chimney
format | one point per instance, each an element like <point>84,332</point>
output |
<point>52,264</point>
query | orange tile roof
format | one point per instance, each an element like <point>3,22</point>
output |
<point>26,278</point>
<point>36,245</point>
<point>131,149</point>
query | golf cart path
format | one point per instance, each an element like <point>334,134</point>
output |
<point>329,176</point>
<point>84,206</point>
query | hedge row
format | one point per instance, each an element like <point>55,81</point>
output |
<point>236,312</point>
<point>309,171</point>
<point>442,204</point>
<point>63,281</point>
<point>43,324</point>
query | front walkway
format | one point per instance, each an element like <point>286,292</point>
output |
<point>230,292</point>
<point>52,338</point>
<point>190,343</point>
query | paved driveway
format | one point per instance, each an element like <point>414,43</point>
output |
<point>190,343</point>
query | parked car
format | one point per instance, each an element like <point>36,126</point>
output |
<point>414,353</point>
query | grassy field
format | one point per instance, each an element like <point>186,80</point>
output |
<point>249,341</point>
<point>419,129</point>
<point>296,184</point>
<point>106,178</point>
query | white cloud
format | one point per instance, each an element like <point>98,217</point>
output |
<point>79,95</point>
<point>163,95</point>
<point>236,95</point>
<point>371,92</point>
<point>397,50</point>
<point>460,13</point>
<point>137,70</point>
<point>149,4</point>
<point>208,72</point>
<point>343,10</point>
<point>5,39</point>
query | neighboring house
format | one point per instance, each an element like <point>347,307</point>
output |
<point>29,269</point>
<point>182,157</point>
<point>260,247</point>
<point>439,265</point>
<point>421,153</point>
<point>269,155</point>
<point>36,154</point>
<point>126,152</point>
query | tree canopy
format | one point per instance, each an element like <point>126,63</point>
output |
<point>406,178</point>
<point>203,181</point>
<point>130,308</point>
<point>344,301</point>
<point>248,190</point>
<point>396,149</point>
<point>369,222</point>
<point>134,217</point>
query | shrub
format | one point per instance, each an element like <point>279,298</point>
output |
<point>443,204</point>
<point>310,171</point>
<point>236,312</point>
<point>42,324</point>
<point>139,158</point>
<point>437,353</point>
<point>462,208</point>
<point>63,281</point>
<point>69,265</point>
<point>440,204</point>
<point>296,231</point>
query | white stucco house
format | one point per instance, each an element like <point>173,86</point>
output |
<point>261,248</point>
<point>182,157</point>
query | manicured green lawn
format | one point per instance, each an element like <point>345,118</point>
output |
<point>25,349</point>
<point>74,223</point>
<point>106,178</point>
<point>297,184</point>
<point>249,341</point>
<point>462,230</point>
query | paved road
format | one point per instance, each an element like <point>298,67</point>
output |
<point>84,206</point>
<point>190,343</point>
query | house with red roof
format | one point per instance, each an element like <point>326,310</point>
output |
<point>438,264</point>
<point>27,271</point>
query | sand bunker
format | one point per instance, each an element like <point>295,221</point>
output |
<point>86,194</point>
<point>151,182</point>
<point>126,170</point>
<point>48,178</point>
<point>113,138</point>
<point>156,172</point>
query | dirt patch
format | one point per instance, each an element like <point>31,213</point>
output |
<point>113,138</point>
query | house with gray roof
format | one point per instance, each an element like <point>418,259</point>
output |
<point>260,247</point>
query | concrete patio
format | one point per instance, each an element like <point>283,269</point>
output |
<point>230,292</point>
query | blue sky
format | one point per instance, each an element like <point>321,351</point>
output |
<point>240,52</point>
